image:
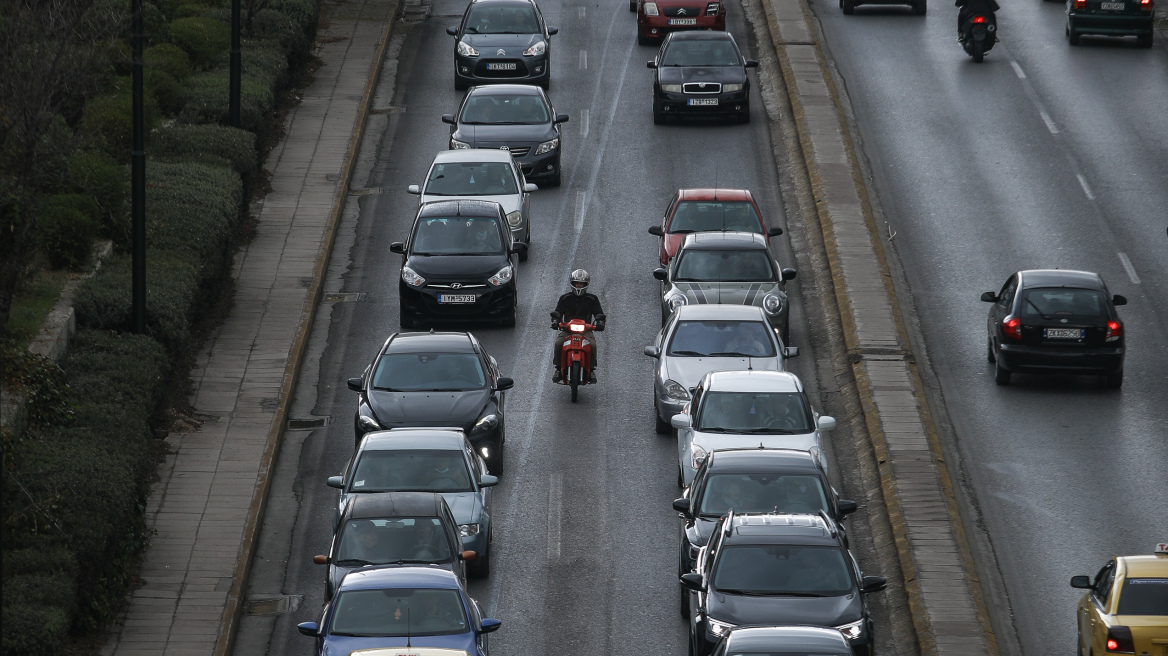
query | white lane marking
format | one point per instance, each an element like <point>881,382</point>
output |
<point>1049,122</point>
<point>583,59</point>
<point>555,499</point>
<point>581,199</point>
<point>580,11</point>
<point>1086,188</point>
<point>1131,270</point>
<point>583,123</point>
<point>1018,70</point>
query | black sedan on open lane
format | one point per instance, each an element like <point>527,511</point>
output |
<point>701,74</point>
<point>1055,321</point>
<point>459,265</point>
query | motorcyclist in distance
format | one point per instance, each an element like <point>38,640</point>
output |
<point>970,8</point>
<point>577,304</point>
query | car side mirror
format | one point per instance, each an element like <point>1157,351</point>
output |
<point>354,384</point>
<point>989,297</point>
<point>656,231</point>
<point>504,383</point>
<point>487,480</point>
<point>826,423</point>
<point>692,581</point>
<point>1083,582</point>
<point>448,118</point>
<point>518,248</point>
<point>414,189</point>
<point>398,247</point>
<point>552,31</point>
<point>847,507</point>
<point>682,506</point>
<point>791,352</point>
<point>1118,300</point>
<point>452,31</point>
<point>529,187</point>
<point>652,351</point>
<point>873,584</point>
<point>308,628</point>
<point>467,555</point>
<point>652,63</point>
<point>489,625</point>
<point>661,274</point>
<point>335,481</point>
<point>320,560</point>
<point>680,421</point>
<point>789,274</point>
<point>561,118</point>
<point>774,232</point>
<point>752,63</point>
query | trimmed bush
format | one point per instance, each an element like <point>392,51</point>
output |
<point>32,629</point>
<point>169,58</point>
<point>270,25</point>
<point>155,27</point>
<point>203,38</point>
<point>265,70</point>
<point>46,557</point>
<point>42,589</point>
<point>304,13</point>
<point>194,208</point>
<point>95,173</point>
<point>234,146</point>
<point>66,227</point>
<point>166,91</point>
<point>108,121</point>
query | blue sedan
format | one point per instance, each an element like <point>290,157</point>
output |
<point>395,607</point>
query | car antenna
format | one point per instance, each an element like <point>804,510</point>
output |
<point>407,627</point>
<point>749,366</point>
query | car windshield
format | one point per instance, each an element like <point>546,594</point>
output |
<point>770,569</point>
<point>471,179</point>
<point>496,18</point>
<point>429,372</point>
<point>461,235</point>
<point>1144,597</point>
<point>701,52</point>
<point>762,493</point>
<point>754,412</point>
<point>399,612</point>
<point>396,540</point>
<point>724,266</point>
<point>722,339</point>
<point>430,470</point>
<point>1062,302</point>
<point>505,109</point>
<point>715,215</point>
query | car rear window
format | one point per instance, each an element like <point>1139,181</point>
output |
<point>505,109</point>
<point>715,215</point>
<point>724,266</point>
<point>722,339</point>
<point>429,372</point>
<point>429,470</point>
<point>773,569</point>
<point>1143,597</point>
<point>471,179</point>
<point>754,412</point>
<point>705,52</point>
<point>393,540</point>
<point>762,493</point>
<point>399,612</point>
<point>1062,302</point>
<point>457,235</point>
<point>501,19</point>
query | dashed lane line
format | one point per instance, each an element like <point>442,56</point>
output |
<point>583,60</point>
<point>1018,70</point>
<point>1046,119</point>
<point>555,501</point>
<point>1127,266</point>
<point>583,123</point>
<point>1085,186</point>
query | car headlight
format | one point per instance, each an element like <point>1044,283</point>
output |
<point>412,278</point>
<point>675,301</point>
<point>502,277</point>
<point>852,631</point>
<point>548,146</point>
<point>727,88</point>
<point>671,88</point>
<point>697,455</point>
<point>536,50</point>
<point>367,424</point>
<point>465,50</point>
<point>772,303</point>
<point>458,145</point>
<point>467,530</point>
<point>514,218</point>
<point>717,628</point>
<point>650,8</point>
<point>485,424</point>
<point>676,390</point>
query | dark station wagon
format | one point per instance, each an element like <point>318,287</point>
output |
<point>1110,18</point>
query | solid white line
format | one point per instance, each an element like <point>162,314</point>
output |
<point>555,501</point>
<point>1018,70</point>
<point>1131,270</point>
<point>1083,184</point>
<point>583,123</point>
<point>581,199</point>
<point>583,59</point>
<point>1049,123</point>
<point>580,10</point>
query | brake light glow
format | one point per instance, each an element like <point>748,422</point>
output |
<point>1119,639</point>
<point>1146,5</point>
<point>979,19</point>
<point>1114,331</point>
<point>1080,4</point>
<point>1012,328</point>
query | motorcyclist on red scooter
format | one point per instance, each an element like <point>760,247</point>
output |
<point>577,304</point>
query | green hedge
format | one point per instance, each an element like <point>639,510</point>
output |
<point>217,144</point>
<point>107,121</point>
<point>265,72</point>
<point>202,37</point>
<point>169,58</point>
<point>97,174</point>
<point>66,227</point>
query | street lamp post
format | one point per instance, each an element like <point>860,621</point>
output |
<point>236,67</point>
<point>138,178</point>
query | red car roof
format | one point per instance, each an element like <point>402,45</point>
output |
<point>713,194</point>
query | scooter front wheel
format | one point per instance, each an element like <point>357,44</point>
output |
<point>574,379</point>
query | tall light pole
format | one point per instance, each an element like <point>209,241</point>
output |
<point>138,178</point>
<point>236,68</point>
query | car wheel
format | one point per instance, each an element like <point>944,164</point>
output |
<point>495,462</point>
<point>547,82</point>
<point>644,40</point>
<point>658,116</point>
<point>1072,37</point>
<point>1113,381</point>
<point>684,602</point>
<point>555,180</point>
<point>1001,375</point>
<point>680,477</point>
<point>480,567</point>
<point>633,6</point>
<point>849,7</point>
<point>662,427</point>
<point>523,256</point>
<point>459,84</point>
<point>990,350</point>
<point>921,8</point>
<point>787,333</point>
<point>509,320</point>
<point>691,646</point>
<point>744,117</point>
<point>406,322</point>
<point>1144,40</point>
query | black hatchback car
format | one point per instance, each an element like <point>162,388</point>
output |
<point>701,74</point>
<point>459,265</point>
<point>777,570</point>
<point>1055,321</point>
<point>502,41</point>
<point>1111,18</point>
<point>753,481</point>
<point>517,118</point>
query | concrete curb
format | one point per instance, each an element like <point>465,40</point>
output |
<point>926,635</point>
<point>235,597</point>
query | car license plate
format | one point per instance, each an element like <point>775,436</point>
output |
<point>694,102</point>
<point>1111,6</point>
<point>456,298</point>
<point>683,21</point>
<point>501,66</point>
<point>1062,333</point>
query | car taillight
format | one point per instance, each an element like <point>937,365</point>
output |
<point>1080,4</point>
<point>1012,328</point>
<point>1119,639</point>
<point>1146,5</point>
<point>1114,331</point>
<point>979,19</point>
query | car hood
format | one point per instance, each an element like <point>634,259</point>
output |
<point>335,645</point>
<point>457,268</point>
<point>712,441</point>
<point>489,45</point>
<point>395,409</point>
<point>683,74</point>
<point>689,371</point>
<point>337,573</point>
<point>510,203</point>
<point>493,136</point>
<point>816,611</point>
<point>727,293</point>
<point>464,506</point>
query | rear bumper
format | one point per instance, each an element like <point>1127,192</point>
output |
<point>656,27</point>
<point>729,104</point>
<point>1030,359</point>
<point>1110,24</point>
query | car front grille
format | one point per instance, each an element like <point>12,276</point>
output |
<point>458,286</point>
<point>682,12</point>
<point>519,151</point>
<point>702,87</point>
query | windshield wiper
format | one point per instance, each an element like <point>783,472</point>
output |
<point>353,561</point>
<point>391,389</point>
<point>1039,310</point>
<point>447,389</point>
<point>683,231</point>
<point>772,431</point>
<point>692,354</point>
<point>735,354</point>
<point>716,429</point>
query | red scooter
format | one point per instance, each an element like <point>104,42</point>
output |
<point>575,355</point>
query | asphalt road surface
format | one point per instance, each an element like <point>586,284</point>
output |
<point>585,539</point>
<point>1043,156</point>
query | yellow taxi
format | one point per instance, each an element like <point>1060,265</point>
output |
<point>1125,609</point>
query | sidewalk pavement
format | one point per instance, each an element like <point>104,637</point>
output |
<point>945,601</point>
<point>207,506</point>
